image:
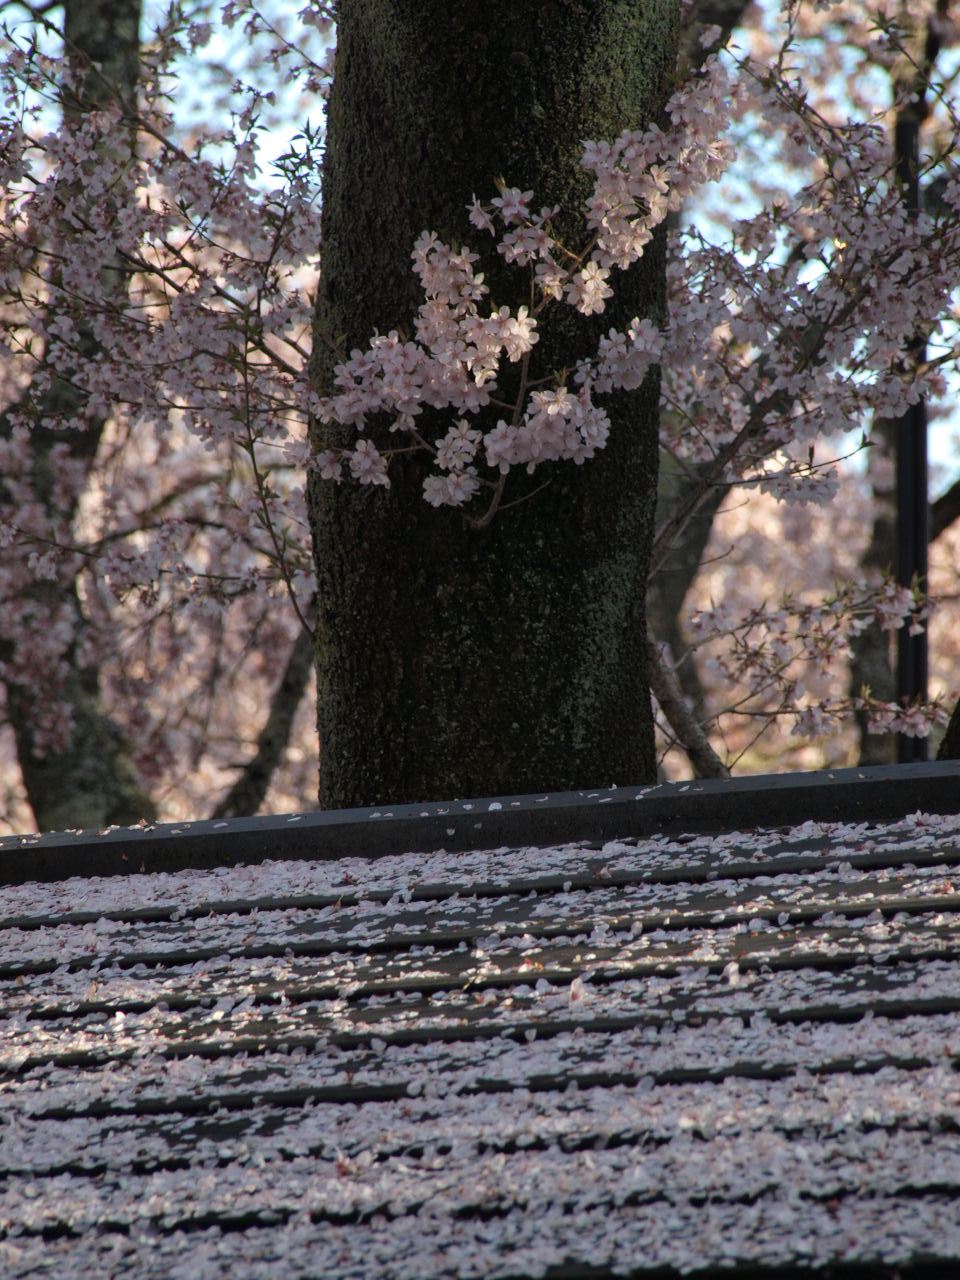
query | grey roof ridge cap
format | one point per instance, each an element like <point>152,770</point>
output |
<point>877,793</point>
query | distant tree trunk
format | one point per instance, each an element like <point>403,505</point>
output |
<point>454,661</point>
<point>870,665</point>
<point>92,781</point>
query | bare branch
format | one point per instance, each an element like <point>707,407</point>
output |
<point>246,795</point>
<point>690,734</point>
<point>944,511</point>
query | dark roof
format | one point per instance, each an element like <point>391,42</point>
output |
<point>646,1053</point>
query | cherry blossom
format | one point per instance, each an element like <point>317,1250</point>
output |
<point>190,270</point>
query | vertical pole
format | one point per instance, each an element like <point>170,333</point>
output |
<point>912,499</point>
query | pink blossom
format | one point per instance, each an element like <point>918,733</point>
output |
<point>513,204</point>
<point>588,289</point>
<point>367,465</point>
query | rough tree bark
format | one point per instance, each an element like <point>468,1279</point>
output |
<point>454,661</point>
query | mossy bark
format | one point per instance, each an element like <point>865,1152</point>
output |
<point>92,783</point>
<point>454,661</point>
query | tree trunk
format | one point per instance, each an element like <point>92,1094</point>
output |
<point>870,665</point>
<point>92,781</point>
<point>454,661</point>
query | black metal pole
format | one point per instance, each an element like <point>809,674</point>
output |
<point>912,496</point>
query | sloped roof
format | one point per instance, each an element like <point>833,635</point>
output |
<point>641,1054</point>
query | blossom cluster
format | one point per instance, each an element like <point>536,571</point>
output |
<point>793,329</point>
<point>454,361</point>
<point>155,313</point>
<point>784,652</point>
<point>156,301</point>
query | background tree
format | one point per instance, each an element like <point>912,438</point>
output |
<point>107,583</point>
<point>176,538</point>
<point>848,45</point>
<point>89,781</point>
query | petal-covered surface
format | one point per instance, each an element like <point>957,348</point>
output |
<point>659,1056</point>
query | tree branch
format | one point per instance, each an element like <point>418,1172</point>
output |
<point>246,795</point>
<point>944,511</point>
<point>666,689</point>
